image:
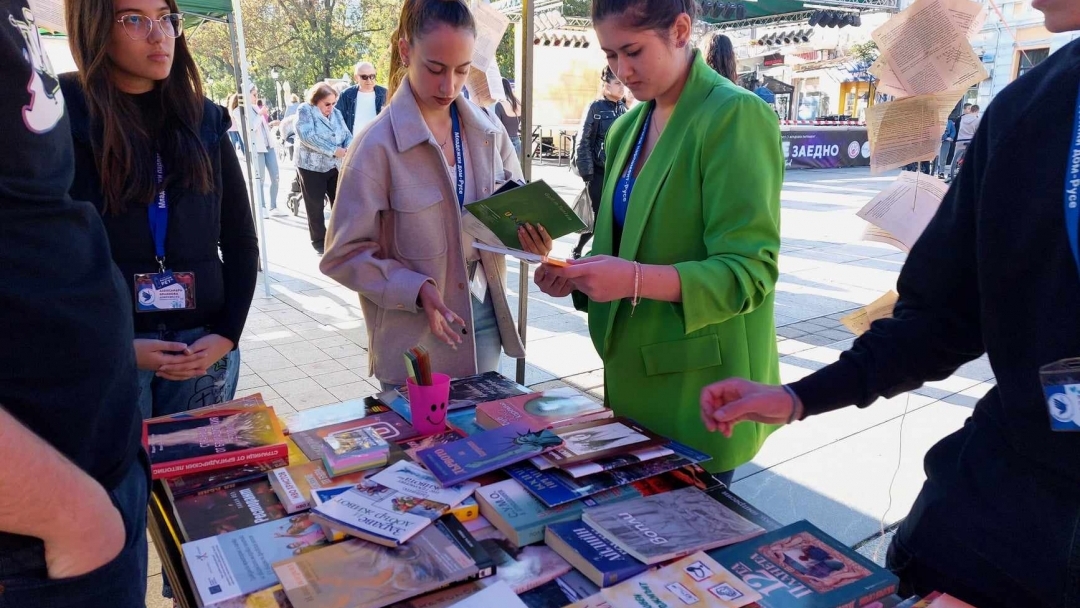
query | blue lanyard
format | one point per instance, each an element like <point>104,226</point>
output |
<point>1072,189</point>
<point>459,155</point>
<point>158,214</point>
<point>626,183</point>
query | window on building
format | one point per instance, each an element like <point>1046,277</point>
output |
<point>1029,58</point>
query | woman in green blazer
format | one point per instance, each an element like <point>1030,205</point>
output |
<point>679,284</point>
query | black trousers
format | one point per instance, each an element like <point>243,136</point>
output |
<point>596,190</point>
<point>316,188</point>
<point>989,527</point>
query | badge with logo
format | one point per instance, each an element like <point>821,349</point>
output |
<point>1061,387</point>
<point>155,292</point>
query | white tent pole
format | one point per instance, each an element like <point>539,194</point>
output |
<point>528,27</point>
<point>254,169</point>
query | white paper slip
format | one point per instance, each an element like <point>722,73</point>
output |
<point>498,595</point>
<point>524,256</point>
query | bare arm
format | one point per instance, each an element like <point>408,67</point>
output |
<point>81,528</point>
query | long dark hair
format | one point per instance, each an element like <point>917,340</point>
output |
<point>657,15</point>
<point>419,17</point>
<point>509,92</point>
<point>721,57</point>
<point>125,151</point>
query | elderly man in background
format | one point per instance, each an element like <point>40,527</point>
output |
<point>362,102</point>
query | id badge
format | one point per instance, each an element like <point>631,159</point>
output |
<point>1061,386</point>
<point>478,285</point>
<point>159,291</point>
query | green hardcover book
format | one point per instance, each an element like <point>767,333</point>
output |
<point>534,203</point>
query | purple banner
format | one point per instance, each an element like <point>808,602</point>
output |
<point>825,147</point>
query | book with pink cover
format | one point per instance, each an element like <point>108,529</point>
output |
<point>544,410</point>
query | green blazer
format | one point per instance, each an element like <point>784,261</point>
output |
<point>707,201</point>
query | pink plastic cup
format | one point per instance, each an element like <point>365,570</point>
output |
<point>429,404</point>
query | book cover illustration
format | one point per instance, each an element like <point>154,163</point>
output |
<point>327,415</point>
<point>485,452</point>
<point>355,441</point>
<point>601,439</point>
<point>392,506</point>
<point>250,402</point>
<point>556,487</point>
<point>695,580</point>
<point>295,484</point>
<point>602,561</point>
<point>534,203</point>
<point>221,511</point>
<point>473,390</point>
<point>358,574</point>
<point>237,563</point>
<point>522,568</point>
<point>584,469</point>
<point>498,594</point>
<point>799,566</point>
<point>208,481</point>
<point>548,409</point>
<point>186,445</point>
<point>665,526</point>
<point>391,427</point>
<point>413,446</point>
<point>274,597</point>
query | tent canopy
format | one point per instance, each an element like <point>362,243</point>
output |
<point>217,9</point>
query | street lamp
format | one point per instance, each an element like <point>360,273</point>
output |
<point>275,74</point>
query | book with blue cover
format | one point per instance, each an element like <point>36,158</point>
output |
<point>555,487</point>
<point>799,566</point>
<point>486,452</point>
<point>238,563</point>
<point>602,561</point>
<point>522,518</point>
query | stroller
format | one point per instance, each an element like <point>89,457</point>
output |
<point>296,196</point>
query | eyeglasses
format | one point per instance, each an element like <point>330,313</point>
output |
<point>367,76</point>
<point>138,27</point>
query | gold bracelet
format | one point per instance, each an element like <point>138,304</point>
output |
<point>637,288</point>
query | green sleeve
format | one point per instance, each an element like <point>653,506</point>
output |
<point>742,168</point>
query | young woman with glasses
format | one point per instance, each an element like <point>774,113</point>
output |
<point>679,285</point>
<point>153,155</point>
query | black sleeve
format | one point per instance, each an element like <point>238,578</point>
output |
<point>586,146</point>
<point>936,324</point>
<point>239,246</point>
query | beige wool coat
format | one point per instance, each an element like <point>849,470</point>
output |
<point>396,224</point>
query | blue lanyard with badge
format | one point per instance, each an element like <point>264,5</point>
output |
<point>165,289</point>
<point>478,284</point>
<point>1061,379</point>
<point>625,186</point>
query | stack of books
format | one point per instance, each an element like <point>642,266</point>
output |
<point>543,500</point>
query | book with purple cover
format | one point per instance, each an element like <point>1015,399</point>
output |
<point>485,452</point>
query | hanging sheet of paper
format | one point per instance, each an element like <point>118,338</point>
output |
<point>906,206</point>
<point>882,308</point>
<point>926,49</point>
<point>48,14</point>
<point>490,27</point>
<point>907,130</point>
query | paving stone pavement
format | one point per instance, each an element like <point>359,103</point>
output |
<point>305,345</point>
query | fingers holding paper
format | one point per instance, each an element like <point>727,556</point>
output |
<point>535,239</point>
<point>552,284</point>
<point>603,278</point>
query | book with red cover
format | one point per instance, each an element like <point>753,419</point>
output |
<point>203,443</point>
<point>545,410</point>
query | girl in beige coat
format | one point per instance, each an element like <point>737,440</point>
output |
<point>399,235</point>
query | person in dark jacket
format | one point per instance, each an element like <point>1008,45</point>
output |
<point>363,101</point>
<point>590,153</point>
<point>996,521</point>
<point>153,155</point>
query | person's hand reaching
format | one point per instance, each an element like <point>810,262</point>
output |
<point>726,403</point>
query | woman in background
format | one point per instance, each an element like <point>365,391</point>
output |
<point>323,137</point>
<point>263,154</point>
<point>721,57</point>
<point>591,158</point>
<point>398,232</point>
<point>509,112</point>
<point>680,283</point>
